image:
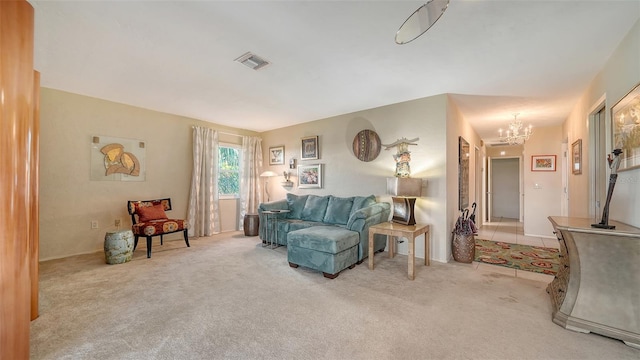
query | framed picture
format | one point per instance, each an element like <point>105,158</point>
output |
<point>276,155</point>
<point>543,163</point>
<point>309,148</point>
<point>576,157</point>
<point>310,176</point>
<point>625,120</point>
<point>463,173</point>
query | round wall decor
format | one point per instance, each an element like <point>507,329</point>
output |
<point>366,145</point>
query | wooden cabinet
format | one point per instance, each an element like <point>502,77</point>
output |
<point>597,288</point>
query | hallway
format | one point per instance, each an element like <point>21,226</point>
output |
<point>511,231</point>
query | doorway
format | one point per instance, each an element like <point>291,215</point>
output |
<point>598,155</point>
<point>504,187</point>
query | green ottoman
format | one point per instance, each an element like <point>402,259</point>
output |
<point>329,249</point>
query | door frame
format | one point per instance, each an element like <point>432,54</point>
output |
<point>489,187</point>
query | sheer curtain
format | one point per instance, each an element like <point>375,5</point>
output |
<point>204,217</point>
<point>250,189</point>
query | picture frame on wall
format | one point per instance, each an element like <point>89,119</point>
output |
<point>625,121</point>
<point>276,155</point>
<point>576,157</point>
<point>309,149</point>
<point>543,163</point>
<point>310,176</point>
<point>463,173</point>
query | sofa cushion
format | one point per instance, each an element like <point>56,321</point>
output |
<point>360,202</point>
<point>338,210</point>
<point>327,239</point>
<point>315,208</point>
<point>296,204</point>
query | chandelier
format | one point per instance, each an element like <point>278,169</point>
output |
<point>517,134</point>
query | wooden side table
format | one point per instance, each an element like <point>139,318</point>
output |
<point>407,231</point>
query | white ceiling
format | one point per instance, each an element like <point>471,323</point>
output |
<point>329,57</point>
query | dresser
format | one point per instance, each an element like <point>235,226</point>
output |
<point>597,288</point>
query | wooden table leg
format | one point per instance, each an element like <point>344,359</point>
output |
<point>412,258</point>
<point>426,249</point>
<point>371,250</point>
<point>392,245</point>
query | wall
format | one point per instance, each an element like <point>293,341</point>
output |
<point>69,201</point>
<point>456,126</point>
<point>542,189</point>
<point>619,76</point>
<point>345,175</point>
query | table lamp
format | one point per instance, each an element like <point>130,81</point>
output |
<point>404,191</point>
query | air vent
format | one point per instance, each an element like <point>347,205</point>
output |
<point>498,144</point>
<point>252,61</point>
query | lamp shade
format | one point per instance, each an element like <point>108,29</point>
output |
<point>410,187</point>
<point>268,174</point>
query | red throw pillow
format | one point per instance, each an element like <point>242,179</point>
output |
<point>148,213</point>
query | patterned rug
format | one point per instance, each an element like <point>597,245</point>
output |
<point>521,257</point>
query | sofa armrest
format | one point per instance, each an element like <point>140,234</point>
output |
<point>373,214</point>
<point>362,219</point>
<point>275,205</point>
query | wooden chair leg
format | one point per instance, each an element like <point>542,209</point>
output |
<point>135,242</point>
<point>186,237</point>
<point>148,247</point>
<point>161,240</point>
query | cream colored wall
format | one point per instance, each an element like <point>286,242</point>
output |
<point>542,189</point>
<point>345,175</point>
<point>456,126</point>
<point>617,78</point>
<point>69,201</point>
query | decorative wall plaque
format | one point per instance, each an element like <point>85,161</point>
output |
<point>366,145</point>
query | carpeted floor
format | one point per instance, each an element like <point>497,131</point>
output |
<point>521,257</point>
<point>227,297</point>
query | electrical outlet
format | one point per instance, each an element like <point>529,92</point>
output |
<point>94,224</point>
<point>117,222</point>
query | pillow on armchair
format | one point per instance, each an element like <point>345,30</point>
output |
<point>148,213</point>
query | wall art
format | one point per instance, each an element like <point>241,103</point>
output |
<point>576,157</point>
<point>463,173</point>
<point>543,163</point>
<point>310,176</point>
<point>625,116</point>
<point>309,149</point>
<point>117,159</point>
<point>276,155</point>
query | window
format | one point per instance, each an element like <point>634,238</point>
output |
<point>229,171</point>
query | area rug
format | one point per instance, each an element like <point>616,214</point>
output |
<point>521,257</point>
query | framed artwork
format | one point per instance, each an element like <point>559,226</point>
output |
<point>463,173</point>
<point>310,176</point>
<point>276,155</point>
<point>543,163</point>
<point>625,120</point>
<point>309,149</point>
<point>576,157</point>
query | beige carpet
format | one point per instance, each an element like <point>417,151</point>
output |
<point>227,297</point>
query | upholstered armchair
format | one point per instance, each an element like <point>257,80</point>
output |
<point>149,219</point>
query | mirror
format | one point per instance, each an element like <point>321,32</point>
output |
<point>421,20</point>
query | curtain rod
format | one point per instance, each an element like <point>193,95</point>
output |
<point>221,132</point>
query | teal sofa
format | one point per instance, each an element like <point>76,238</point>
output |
<point>325,233</point>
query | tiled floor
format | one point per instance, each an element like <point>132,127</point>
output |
<point>511,231</point>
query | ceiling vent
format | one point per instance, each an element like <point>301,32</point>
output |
<point>253,61</point>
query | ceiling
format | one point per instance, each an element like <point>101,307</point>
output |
<point>329,57</point>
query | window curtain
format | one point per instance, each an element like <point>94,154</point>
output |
<point>250,189</point>
<point>204,217</point>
